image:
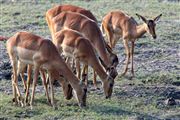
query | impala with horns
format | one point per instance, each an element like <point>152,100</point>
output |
<point>89,29</point>
<point>60,8</point>
<point>71,43</point>
<point>117,24</point>
<point>34,50</point>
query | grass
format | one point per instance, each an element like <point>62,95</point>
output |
<point>156,64</point>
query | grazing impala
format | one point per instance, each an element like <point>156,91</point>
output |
<point>88,28</point>
<point>60,8</point>
<point>34,50</point>
<point>73,44</point>
<point>117,24</point>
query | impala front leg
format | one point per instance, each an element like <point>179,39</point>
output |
<point>78,69</point>
<point>35,78</point>
<point>21,67</point>
<point>51,89</point>
<point>132,55</point>
<point>43,77</point>
<point>85,74</point>
<point>127,56</point>
<point>94,80</point>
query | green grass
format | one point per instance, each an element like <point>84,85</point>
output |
<point>132,99</point>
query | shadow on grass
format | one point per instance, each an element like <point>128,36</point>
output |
<point>117,111</point>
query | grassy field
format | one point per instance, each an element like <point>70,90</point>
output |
<point>157,64</point>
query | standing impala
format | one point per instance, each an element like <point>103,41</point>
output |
<point>31,49</point>
<point>117,24</point>
<point>89,29</point>
<point>73,44</point>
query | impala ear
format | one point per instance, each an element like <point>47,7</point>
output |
<point>102,62</point>
<point>157,18</point>
<point>141,17</point>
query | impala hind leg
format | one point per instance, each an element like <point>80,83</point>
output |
<point>109,33</point>
<point>21,67</point>
<point>127,56</point>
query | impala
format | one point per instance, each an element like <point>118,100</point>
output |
<point>60,8</point>
<point>89,29</point>
<point>73,44</point>
<point>117,24</point>
<point>42,54</point>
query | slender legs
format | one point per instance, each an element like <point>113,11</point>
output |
<point>43,77</point>
<point>94,80</point>
<point>127,56</point>
<point>35,78</point>
<point>132,55</point>
<point>51,88</point>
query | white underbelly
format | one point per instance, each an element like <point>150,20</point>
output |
<point>24,54</point>
<point>67,51</point>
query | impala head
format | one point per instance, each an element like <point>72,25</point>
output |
<point>150,24</point>
<point>108,87</point>
<point>67,89</point>
<point>109,82</point>
<point>81,95</point>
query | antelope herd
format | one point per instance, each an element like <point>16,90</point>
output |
<point>76,40</point>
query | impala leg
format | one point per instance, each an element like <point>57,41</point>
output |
<point>132,55</point>
<point>94,80</point>
<point>127,56</point>
<point>84,74</point>
<point>43,77</point>
<point>110,38</point>
<point>68,62</point>
<point>51,89</point>
<point>109,34</point>
<point>35,78</point>
<point>29,72</point>
<point>73,66</point>
<point>13,77</point>
<point>78,69</point>
<point>86,82</point>
<point>21,68</point>
<point>22,78</point>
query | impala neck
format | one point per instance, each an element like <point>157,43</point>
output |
<point>99,70</point>
<point>140,30</point>
<point>101,49</point>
